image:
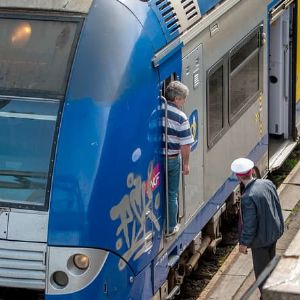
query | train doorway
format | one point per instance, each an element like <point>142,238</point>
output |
<point>166,143</point>
<point>191,191</point>
<point>282,108</point>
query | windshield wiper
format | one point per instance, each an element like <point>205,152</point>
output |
<point>30,174</point>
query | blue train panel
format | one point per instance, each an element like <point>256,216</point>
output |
<point>149,22</point>
<point>107,185</point>
<point>206,5</point>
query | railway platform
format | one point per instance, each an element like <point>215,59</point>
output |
<point>236,275</point>
<point>283,283</point>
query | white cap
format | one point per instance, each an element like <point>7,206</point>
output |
<point>242,165</point>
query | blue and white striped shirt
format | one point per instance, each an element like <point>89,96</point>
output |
<point>178,129</point>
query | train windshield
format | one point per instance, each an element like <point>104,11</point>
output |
<point>27,131</point>
<point>35,56</point>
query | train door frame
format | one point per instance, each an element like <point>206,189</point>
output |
<point>192,76</point>
<point>189,201</point>
<point>281,104</point>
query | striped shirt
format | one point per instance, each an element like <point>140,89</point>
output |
<point>178,129</point>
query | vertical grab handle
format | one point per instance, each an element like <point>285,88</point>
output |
<point>183,197</point>
<point>285,30</point>
<point>164,100</point>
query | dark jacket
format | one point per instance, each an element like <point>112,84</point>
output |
<point>262,220</point>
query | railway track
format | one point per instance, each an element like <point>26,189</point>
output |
<point>209,263</point>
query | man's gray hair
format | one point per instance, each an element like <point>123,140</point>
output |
<point>176,89</point>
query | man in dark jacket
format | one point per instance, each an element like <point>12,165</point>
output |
<point>261,216</point>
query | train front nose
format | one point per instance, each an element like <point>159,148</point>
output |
<point>69,274</point>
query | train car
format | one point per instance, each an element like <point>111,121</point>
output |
<point>82,182</point>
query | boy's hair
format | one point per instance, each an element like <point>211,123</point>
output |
<point>176,89</point>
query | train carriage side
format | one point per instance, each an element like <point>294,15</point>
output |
<point>234,94</point>
<point>224,63</point>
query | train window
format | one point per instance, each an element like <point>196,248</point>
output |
<point>215,103</point>
<point>35,56</point>
<point>244,69</point>
<point>28,129</point>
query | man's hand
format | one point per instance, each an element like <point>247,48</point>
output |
<point>186,169</point>
<point>185,154</point>
<point>243,249</point>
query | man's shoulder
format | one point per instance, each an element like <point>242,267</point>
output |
<point>254,186</point>
<point>262,187</point>
<point>264,182</point>
<point>177,114</point>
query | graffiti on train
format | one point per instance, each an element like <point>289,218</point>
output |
<point>134,212</point>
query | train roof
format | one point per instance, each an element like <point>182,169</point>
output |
<point>174,16</point>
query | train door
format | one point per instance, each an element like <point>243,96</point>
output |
<point>281,82</point>
<point>192,70</point>
<point>191,186</point>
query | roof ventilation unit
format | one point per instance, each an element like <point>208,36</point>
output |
<point>168,16</point>
<point>176,16</point>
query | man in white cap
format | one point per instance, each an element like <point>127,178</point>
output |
<point>261,216</point>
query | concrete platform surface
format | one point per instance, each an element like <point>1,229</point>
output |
<point>283,283</point>
<point>236,275</point>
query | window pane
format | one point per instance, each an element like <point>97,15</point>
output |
<point>244,52</point>
<point>34,55</point>
<point>215,103</point>
<point>27,130</point>
<point>244,84</point>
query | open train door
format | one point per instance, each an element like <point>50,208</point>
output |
<point>282,99</point>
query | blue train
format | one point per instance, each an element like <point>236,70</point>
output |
<point>82,183</point>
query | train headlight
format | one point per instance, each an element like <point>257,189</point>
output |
<point>60,279</point>
<point>72,269</point>
<point>81,261</point>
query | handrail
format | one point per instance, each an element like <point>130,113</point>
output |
<point>183,197</point>
<point>166,164</point>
